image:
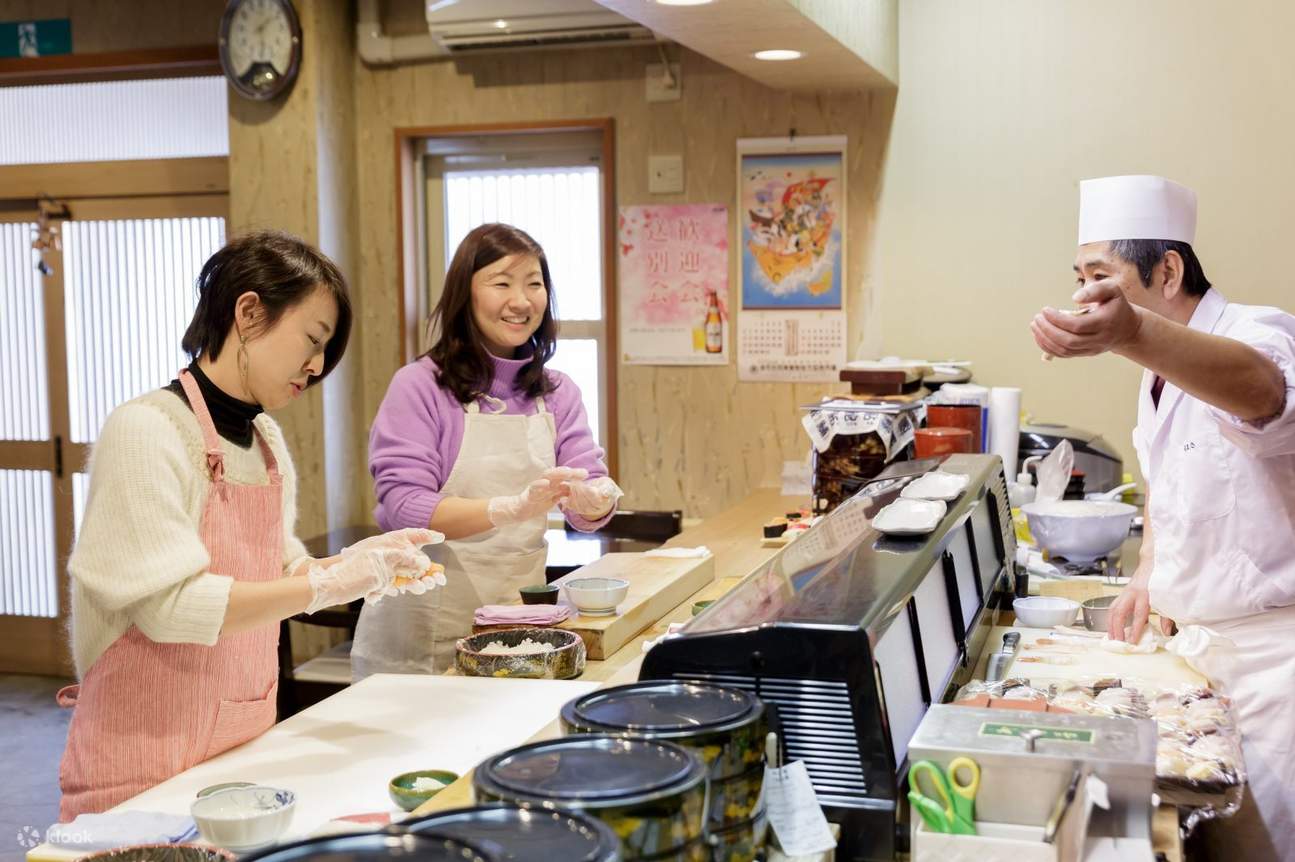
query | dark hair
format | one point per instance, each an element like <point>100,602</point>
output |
<point>1146,253</point>
<point>282,271</point>
<point>463,364</point>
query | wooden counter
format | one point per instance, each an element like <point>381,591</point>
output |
<point>733,536</point>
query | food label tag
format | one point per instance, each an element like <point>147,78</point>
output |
<point>794,812</point>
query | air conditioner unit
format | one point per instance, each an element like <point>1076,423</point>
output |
<point>478,26</point>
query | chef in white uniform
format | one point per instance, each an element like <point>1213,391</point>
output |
<point>1216,442</point>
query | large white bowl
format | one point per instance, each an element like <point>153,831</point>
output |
<point>244,818</point>
<point>597,596</point>
<point>1044,612</point>
<point>1079,530</point>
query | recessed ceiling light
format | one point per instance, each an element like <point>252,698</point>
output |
<point>683,2</point>
<point>778,54</point>
<point>501,24</point>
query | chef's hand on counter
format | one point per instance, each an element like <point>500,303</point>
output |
<point>592,499</point>
<point>1133,608</point>
<point>537,499</point>
<point>1111,323</point>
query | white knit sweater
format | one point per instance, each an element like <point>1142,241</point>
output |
<point>139,558</point>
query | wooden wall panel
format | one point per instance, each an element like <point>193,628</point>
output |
<point>125,26</point>
<point>691,438</point>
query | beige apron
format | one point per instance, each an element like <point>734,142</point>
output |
<point>500,455</point>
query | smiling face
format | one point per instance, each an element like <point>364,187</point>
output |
<point>508,301</point>
<point>282,359</point>
<point>1095,262</point>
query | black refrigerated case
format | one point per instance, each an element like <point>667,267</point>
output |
<point>851,635</point>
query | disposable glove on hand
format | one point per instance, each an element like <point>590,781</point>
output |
<point>362,574</point>
<point>539,497</point>
<point>592,499</point>
<point>396,540</point>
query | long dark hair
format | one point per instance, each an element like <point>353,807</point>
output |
<point>282,271</point>
<point>462,361</point>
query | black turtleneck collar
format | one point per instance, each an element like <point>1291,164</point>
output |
<point>231,416</point>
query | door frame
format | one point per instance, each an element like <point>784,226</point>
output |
<point>409,231</point>
<point>90,191</point>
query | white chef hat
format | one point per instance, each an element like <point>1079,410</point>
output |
<point>1136,207</point>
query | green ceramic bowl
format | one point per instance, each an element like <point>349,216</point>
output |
<point>539,594</point>
<point>402,792</point>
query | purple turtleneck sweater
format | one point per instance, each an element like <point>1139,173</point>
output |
<point>416,436</point>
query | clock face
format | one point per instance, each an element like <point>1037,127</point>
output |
<point>260,46</point>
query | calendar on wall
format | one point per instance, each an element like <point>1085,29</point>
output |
<point>790,346</point>
<point>791,238</point>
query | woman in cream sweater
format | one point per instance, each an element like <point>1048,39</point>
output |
<point>186,560</point>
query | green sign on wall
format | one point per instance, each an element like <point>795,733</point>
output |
<point>35,38</point>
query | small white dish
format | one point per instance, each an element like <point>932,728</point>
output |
<point>244,818</point>
<point>909,517</point>
<point>1045,612</point>
<point>936,485</point>
<point>597,597</point>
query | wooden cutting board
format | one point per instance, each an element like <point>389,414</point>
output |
<point>658,585</point>
<point>1161,667</point>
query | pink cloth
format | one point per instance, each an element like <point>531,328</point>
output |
<point>524,615</point>
<point>146,711</point>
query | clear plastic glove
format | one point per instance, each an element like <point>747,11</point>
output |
<point>594,498</point>
<point>397,539</point>
<point>558,475</point>
<point>363,574</point>
<point>539,497</point>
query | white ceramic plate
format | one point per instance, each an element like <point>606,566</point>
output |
<point>909,517</point>
<point>936,485</point>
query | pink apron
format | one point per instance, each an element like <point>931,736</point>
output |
<point>146,711</point>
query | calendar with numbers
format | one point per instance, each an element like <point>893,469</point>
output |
<point>791,346</point>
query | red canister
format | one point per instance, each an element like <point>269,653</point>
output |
<point>933,442</point>
<point>957,416</point>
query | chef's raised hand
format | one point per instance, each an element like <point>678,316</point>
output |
<point>396,540</point>
<point>1110,323</point>
<point>362,574</point>
<point>592,499</point>
<point>538,498</point>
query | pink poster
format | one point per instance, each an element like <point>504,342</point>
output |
<point>674,284</point>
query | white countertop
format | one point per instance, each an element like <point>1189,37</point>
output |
<point>338,755</point>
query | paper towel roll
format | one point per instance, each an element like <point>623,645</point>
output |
<point>1005,426</point>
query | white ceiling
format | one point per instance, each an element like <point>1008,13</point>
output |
<point>731,31</point>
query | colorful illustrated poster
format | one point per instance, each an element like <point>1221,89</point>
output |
<point>674,284</point>
<point>791,230</point>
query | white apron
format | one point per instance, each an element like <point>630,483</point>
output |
<point>1252,660</point>
<point>500,455</point>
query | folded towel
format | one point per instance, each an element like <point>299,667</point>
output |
<point>682,553</point>
<point>122,829</point>
<point>527,615</point>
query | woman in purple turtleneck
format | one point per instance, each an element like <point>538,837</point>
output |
<point>476,439</point>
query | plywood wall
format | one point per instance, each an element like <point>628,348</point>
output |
<point>689,438</point>
<point>101,25</point>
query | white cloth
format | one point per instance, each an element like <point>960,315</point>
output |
<point>696,553</point>
<point>149,470</point>
<point>1222,490</point>
<point>500,454</point>
<point>1252,660</point>
<point>89,832</point>
<point>1136,207</point>
<point>1222,507</point>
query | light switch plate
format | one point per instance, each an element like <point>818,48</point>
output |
<point>659,88</point>
<point>665,175</point>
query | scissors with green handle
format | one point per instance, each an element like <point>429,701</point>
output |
<point>952,808</point>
